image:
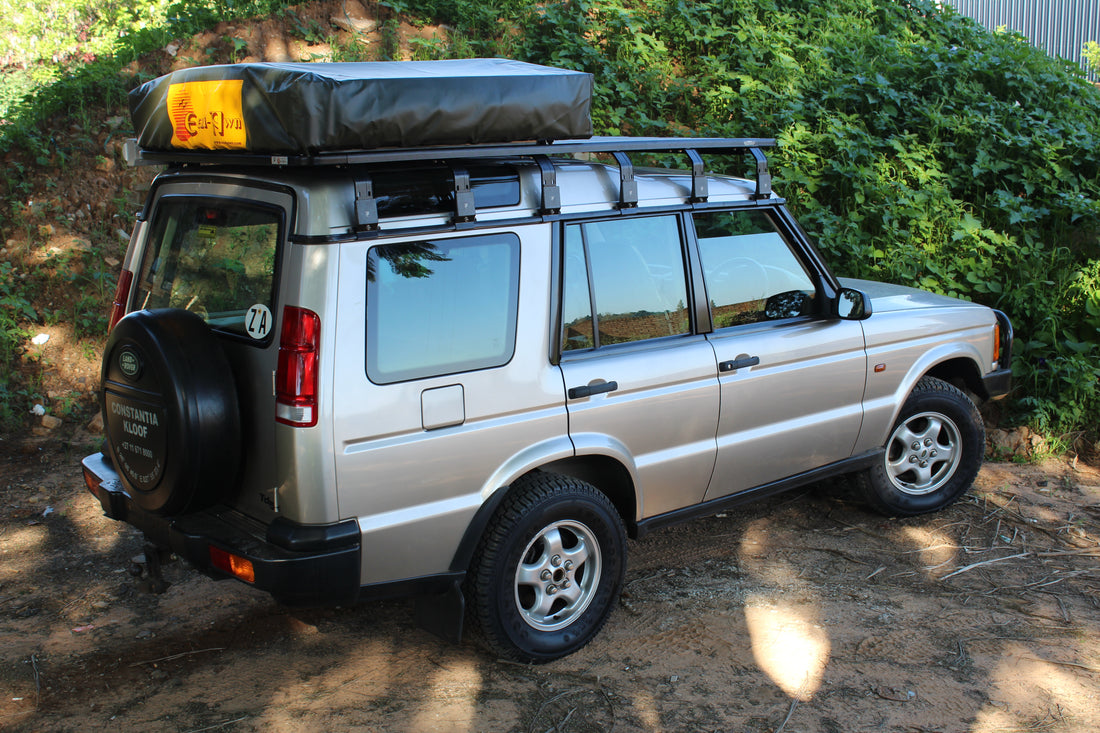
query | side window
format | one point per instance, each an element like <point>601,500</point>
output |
<point>441,307</point>
<point>624,281</point>
<point>751,273</point>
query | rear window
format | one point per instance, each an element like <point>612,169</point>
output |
<point>216,258</point>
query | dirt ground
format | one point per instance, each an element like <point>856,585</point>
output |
<point>803,613</point>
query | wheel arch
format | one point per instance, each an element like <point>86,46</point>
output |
<point>606,473</point>
<point>962,372</point>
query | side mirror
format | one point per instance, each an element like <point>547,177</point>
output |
<point>852,305</point>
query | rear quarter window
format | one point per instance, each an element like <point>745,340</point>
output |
<point>441,307</point>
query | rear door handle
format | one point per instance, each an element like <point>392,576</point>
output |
<point>735,364</point>
<point>576,393</point>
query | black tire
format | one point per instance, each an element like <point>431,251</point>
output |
<point>548,569</point>
<point>170,411</point>
<point>932,455</point>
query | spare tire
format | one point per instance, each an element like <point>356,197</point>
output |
<point>170,411</point>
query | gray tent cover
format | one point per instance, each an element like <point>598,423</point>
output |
<point>303,108</point>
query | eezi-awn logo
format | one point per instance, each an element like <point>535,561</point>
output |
<point>207,114</point>
<point>129,363</point>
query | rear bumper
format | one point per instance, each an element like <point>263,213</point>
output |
<point>297,564</point>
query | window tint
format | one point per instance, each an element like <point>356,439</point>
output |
<point>637,280</point>
<point>212,257</point>
<point>751,273</point>
<point>441,307</point>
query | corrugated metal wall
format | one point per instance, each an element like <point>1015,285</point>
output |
<point>1059,27</point>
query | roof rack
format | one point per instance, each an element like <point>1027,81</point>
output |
<point>539,152</point>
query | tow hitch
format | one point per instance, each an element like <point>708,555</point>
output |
<point>147,568</point>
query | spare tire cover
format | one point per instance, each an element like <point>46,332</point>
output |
<point>170,411</point>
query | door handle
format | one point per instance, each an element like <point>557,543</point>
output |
<point>576,393</point>
<point>735,364</point>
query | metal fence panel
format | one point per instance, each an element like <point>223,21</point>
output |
<point>1059,27</point>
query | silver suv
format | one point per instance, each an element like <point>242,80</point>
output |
<point>468,370</point>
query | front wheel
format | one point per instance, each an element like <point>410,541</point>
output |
<point>548,570</point>
<point>932,455</point>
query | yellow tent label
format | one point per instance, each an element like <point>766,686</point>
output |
<point>207,114</point>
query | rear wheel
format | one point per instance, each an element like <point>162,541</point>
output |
<point>548,569</point>
<point>932,455</point>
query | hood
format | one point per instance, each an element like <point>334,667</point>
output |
<point>886,297</point>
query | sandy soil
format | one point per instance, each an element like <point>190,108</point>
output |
<point>803,613</point>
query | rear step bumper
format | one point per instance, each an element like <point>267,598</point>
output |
<point>297,564</point>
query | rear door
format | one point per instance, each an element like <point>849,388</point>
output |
<point>213,249</point>
<point>791,376</point>
<point>639,385</point>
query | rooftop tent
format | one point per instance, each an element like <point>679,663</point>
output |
<point>302,108</point>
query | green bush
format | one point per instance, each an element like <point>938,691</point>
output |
<point>1091,54</point>
<point>916,146</point>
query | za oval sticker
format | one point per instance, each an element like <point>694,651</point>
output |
<point>258,321</point>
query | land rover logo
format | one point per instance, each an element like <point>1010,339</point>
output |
<point>129,363</point>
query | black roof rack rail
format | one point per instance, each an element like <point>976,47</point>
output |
<point>539,152</point>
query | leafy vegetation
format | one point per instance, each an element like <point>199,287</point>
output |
<point>915,146</point>
<point>1091,54</point>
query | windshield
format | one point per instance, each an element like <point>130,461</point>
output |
<point>214,257</point>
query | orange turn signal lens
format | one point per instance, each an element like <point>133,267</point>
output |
<point>997,342</point>
<point>91,481</point>
<point>235,565</point>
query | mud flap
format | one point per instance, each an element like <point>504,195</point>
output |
<point>442,614</point>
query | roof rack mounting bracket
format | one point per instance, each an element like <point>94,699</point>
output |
<point>763,177</point>
<point>465,209</point>
<point>551,193</point>
<point>366,206</point>
<point>699,190</point>
<point>628,187</point>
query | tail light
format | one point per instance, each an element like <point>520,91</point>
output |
<point>235,565</point>
<point>296,376</point>
<point>122,296</point>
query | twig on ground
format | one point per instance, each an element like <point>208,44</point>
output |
<point>986,562</point>
<point>177,656</point>
<point>37,680</point>
<point>1082,552</point>
<point>794,704</point>
<point>217,725</point>
<point>1087,667</point>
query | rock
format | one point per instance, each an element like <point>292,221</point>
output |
<point>45,230</point>
<point>95,425</point>
<point>50,422</point>
<point>354,25</point>
<point>1015,442</point>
